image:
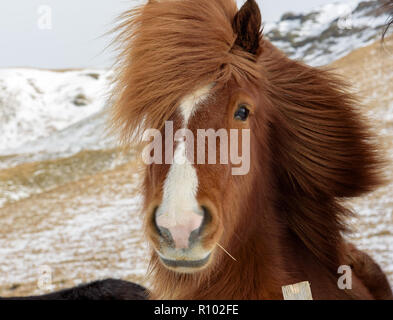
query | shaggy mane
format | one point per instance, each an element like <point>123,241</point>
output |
<point>323,151</point>
<point>167,49</point>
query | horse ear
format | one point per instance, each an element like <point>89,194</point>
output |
<point>247,26</point>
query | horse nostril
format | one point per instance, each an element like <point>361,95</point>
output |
<point>196,234</point>
<point>154,221</point>
<point>161,231</point>
<point>207,218</point>
<point>182,229</point>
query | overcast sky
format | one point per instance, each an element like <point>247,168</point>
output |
<point>71,36</point>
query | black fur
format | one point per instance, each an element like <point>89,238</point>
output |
<point>109,289</point>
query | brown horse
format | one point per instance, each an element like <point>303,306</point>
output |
<point>200,65</point>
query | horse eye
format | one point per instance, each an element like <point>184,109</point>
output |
<point>242,113</point>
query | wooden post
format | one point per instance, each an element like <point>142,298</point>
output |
<point>297,291</point>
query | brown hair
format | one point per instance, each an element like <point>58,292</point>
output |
<point>322,150</point>
<point>179,45</point>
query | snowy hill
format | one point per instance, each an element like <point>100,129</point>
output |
<point>35,104</point>
<point>329,32</point>
<point>89,133</point>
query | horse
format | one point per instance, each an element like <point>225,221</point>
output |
<point>218,232</point>
<point>215,234</point>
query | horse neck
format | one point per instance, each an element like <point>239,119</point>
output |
<point>271,256</point>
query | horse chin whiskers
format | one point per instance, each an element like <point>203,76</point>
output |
<point>223,249</point>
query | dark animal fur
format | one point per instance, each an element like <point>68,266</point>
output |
<point>109,289</point>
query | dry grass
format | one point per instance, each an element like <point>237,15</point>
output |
<point>83,230</point>
<point>32,178</point>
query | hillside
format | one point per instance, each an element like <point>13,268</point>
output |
<point>329,32</point>
<point>35,104</point>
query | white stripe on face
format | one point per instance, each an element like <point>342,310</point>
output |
<point>191,102</point>
<point>179,211</point>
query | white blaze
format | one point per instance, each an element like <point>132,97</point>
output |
<point>190,103</point>
<point>179,211</point>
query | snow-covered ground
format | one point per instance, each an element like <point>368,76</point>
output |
<point>86,230</point>
<point>90,133</point>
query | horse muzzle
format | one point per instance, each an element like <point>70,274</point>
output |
<point>180,239</point>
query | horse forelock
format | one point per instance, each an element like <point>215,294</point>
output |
<point>167,50</point>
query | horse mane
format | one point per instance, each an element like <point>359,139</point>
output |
<point>323,151</point>
<point>166,50</point>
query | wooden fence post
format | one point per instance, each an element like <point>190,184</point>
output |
<point>297,291</point>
